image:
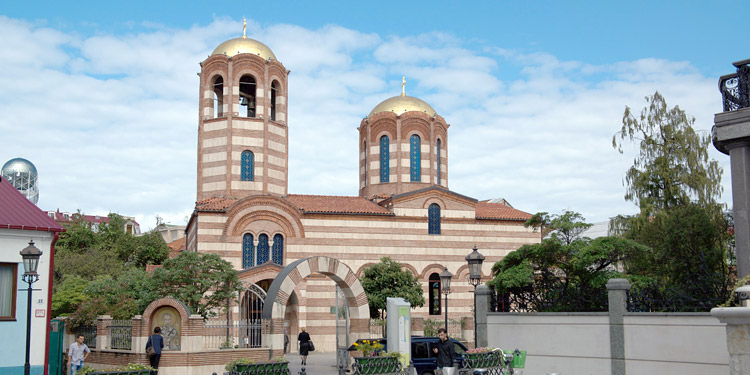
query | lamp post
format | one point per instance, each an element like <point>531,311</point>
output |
<point>445,283</point>
<point>30,257</point>
<point>475,260</point>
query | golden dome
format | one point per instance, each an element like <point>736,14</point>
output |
<point>402,104</point>
<point>237,46</point>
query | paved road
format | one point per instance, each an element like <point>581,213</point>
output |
<point>317,363</point>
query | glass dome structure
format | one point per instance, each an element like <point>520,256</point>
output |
<point>22,174</point>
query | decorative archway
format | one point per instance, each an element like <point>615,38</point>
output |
<point>283,286</point>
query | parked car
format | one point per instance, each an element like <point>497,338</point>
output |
<point>424,359</point>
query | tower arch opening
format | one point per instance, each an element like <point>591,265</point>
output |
<point>248,87</point>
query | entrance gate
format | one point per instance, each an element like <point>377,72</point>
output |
<point>251,310</point>
<point>342,330</point>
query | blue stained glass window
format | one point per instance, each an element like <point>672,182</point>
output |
<point>415,157</point>
<point>278,249</point>
<point>262,248</point>
<point>248,165</point>
<point>439,166</point>
<point>247,251</point>
<point>384,158</point>
<point>433,222</point>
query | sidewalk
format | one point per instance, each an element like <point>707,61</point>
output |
<point>317,363</point>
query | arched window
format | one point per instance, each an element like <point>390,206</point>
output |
<point>218,87</point>
<point>247,171</point>
<point>415,158</point>
<point>274,92</point>
<point>262,249</point>
<point>277,253</point>
<point>384,158</point>
<point>439,166</point>
<point>433,221</point>
<point>247,95</point>
<point>247,251</point>
<point>364,147</point>
<point>434,291</point>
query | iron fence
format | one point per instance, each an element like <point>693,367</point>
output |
<point>554,299</point>
<point>233,334</point>
<point>120,334</point>
<point>377,328</point>
<point>89,335</point>
<point>735,87</point>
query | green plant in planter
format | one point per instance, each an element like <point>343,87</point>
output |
<point>85,370</point>
<point>240,361</point>
<point>228,344</point>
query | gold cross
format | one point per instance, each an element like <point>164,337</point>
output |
<point>403,86</point>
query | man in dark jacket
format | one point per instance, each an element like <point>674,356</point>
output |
<point>445,350</point>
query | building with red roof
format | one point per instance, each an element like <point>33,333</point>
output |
<point>403,208</point>
<point>21,222</point>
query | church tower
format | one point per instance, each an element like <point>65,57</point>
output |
<point>242,131</point>
<point>403,146</point>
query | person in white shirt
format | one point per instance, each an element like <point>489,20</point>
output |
<point>77,354</point>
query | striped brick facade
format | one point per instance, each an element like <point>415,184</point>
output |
<point>385,219</point>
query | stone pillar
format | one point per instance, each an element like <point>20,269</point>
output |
<point>737,320</point>
<point>731,135</point>
<point>618,304</point>
<point>102,325</point>
<point>483,300</point>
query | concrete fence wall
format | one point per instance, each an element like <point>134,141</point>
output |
<point>618,342</point>
<point>579,343</point>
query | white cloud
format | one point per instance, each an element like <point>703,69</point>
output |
<point>110,121</point>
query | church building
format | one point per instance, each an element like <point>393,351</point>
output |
<point>404,208</point>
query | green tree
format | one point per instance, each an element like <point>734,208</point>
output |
<point>388,279</point>
<point>688,251</point>
<point>676,187</point>
<point>69,295</point>
<point>672,167</point>
<point>565,272</point>
<point>202,281</point>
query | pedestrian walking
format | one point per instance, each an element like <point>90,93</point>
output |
<point>155,341</point>
<point>77,354</point>
<point>304,345</point>
<point>446,353</point>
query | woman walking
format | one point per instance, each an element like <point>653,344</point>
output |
<point>157,342</point>
<point>304,345</point>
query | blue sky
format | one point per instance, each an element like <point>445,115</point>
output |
<point>101,97</point>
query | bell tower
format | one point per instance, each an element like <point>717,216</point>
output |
<point>403,146</point>
<point>242,126</point>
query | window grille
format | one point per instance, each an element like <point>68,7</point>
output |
<point>384,158</point>
<point>278,249</point>
<point>247,167</point>
<point>433,213</point>
<point>262,249</point>
<point>247,251</point>
<point>415,157</point>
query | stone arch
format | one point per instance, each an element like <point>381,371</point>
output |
<point>409,267</point>
<point>283,286</point>
<point>264,207</point>
<point>440,202</point>
<point>153,307</point>
<point>432,268</point>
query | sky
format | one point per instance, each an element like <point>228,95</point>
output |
<point>103,96</point>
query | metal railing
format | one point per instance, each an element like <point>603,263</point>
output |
<point>220,334</point>
<point>120,334</point>
<point>735,87</point>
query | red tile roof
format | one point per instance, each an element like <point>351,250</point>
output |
<point>336,205</point>
<point>214,204</point>
<point>17,212</point>
<point>499,211</point>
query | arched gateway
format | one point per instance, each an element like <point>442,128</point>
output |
<point>283,286</point>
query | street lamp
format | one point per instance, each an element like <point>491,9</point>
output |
<point>30,257</point>
<point>475,260</point>
<point>445,282</point>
